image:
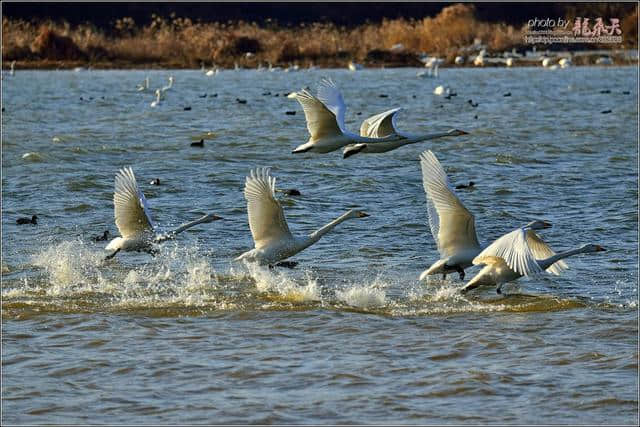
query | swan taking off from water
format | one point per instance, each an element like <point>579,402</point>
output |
<point>520,253</point>
<point>133,218</point>
<point>272,238</point>
<point>383,125</point>
<point>452,225</point>
<point>325,121</point>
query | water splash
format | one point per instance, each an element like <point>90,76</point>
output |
<point>277,281</point>
<point>370,295</point>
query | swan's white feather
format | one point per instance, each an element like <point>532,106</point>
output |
<point>380,125</point>
<point>132,213</point>
<point>541,251</point>
<point>452,225</point>
<point>266,217</point>
<point>321,122</point>
<point>514,249</point>
<point>330,96</point>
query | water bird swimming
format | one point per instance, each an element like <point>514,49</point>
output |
<point>272,239</point>
<point>133,218</point>
<point>461,186</point>
<point>155,181</point>
<point>104,236</point>
<point>520,253</point>
<point>169,86</point>
<point>33,220</point>
<point>324,115</point>
<point>198,144</point>
<point>474,105</point>
<point>241,101</point>
<point>144,86</point>
<point>384,125</point>
<point>158,97</point>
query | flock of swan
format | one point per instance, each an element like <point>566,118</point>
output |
<point>521,252</point>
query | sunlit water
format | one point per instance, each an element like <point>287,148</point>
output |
<point>350,335</point>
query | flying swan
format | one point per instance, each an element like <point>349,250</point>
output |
<point>273,240</point>
<point>384,125</point>
<point>452,225</point>
<point>520,253</point>
<point>133,218</point>
<point>325,121</point>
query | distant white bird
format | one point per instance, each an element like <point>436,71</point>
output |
<point>442,90</point>
<point>604,60</point>
<point>546,62</point>
<point>158,96</point>
<point>478,61</point>
<point>564,63</point>
<point>272,238</point>
<point>459,60</point>
<point>325,121</point>
<point>383,125</point>
<point>144,86</point>
<point>169,86</point>
<point>452,225</point>
<point>509,62</point>
<point>133,218</point>
<point>430,72</point>
<point>272,68</point>
<point>520,253</point>
<point>12,71</point>
<point>353,66</point>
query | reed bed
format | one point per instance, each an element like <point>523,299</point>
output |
<point>181,43</point>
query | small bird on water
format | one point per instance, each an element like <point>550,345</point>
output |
<point>33,220</point>
<point>198,144</point>
<point>470,185</point>
<point>103,237</point>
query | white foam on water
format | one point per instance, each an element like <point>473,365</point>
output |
<point>277,281</point>
<point>365,296</point>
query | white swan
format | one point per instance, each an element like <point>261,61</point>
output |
<point>12,71</point>
<point>383,125</point>
<point>520,253</point>
<point>272,238</point>
<point>509,62</point>
<point>442,90</point>
<point>169,86</point>
<point>459,60</point>
<point>325,121</point>
<point>452,225</point>
<point>564,63</point>
<point>133,218</point>
<point>144,86</point>
<point>158,96</point>
<point>353,66</point>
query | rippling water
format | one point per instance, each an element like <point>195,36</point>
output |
<point>350,335</point>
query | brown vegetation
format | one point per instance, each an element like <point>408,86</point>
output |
<point>182,43</point>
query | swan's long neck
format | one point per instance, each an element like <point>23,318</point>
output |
<point>390,138</point>
<point>413,138</point>
<point>548,262</point>
<point>172,234</point>
<point>316,235</point>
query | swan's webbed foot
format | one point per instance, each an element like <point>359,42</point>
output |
<point>287,264</point>
<point>444,276</point>
<point>112,255</point>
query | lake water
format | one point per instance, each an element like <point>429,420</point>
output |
<point>350,335</point>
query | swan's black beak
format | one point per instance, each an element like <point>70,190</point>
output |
<point>546,224</point>
<point>363,215</point>
<point>600,248</point>
<point>461,132</point>
<point>355,150</point>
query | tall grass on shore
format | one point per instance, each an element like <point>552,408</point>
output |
<point>181,43</point>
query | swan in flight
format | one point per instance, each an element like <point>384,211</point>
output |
<point>452,225</point>
<point>383,125</point>
<point>272,238</point>
<point>158,97</point>
<point>520,253</point>
<point>133,218</point>
<point>325,121</point>
<point>144,86</point>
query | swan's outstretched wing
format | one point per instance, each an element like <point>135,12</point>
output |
<point>514,249</point>
<point>452,225</point>
<point>321,121</point>
<point>266,217</point>
<point>542,251</point>
<point>380,125</point>
<point>130,207</point>
<point>330,96</point>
